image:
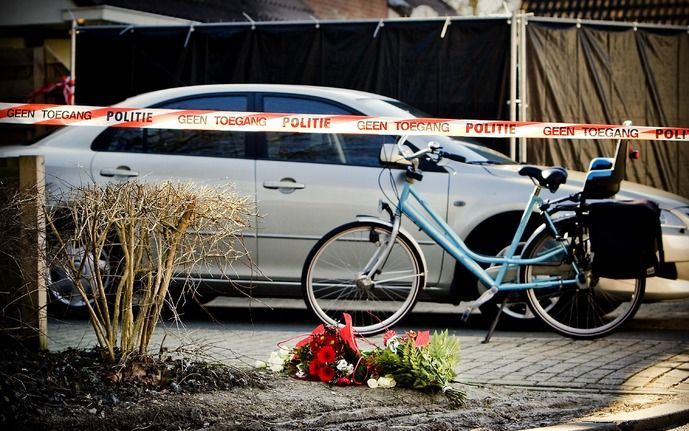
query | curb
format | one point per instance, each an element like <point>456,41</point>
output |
<point>650,419</point>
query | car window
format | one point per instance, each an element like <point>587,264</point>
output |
<point>392,108</point>
<point>208,143</point>
<point>358,150</point>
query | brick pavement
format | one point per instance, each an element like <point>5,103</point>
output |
<point>629,365</point>
<point>534,360</point>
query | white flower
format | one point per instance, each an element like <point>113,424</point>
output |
<point>260,364</point>
<point>393,344</point>
<point>300,374</point>
<point>383,382</point>
<point>386,382</point>
<point>276,362</point>
<point>345,367</point>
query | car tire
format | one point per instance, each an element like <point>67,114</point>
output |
<point>490,238</point>
<point>64,299</point>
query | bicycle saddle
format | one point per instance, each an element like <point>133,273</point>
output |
<point>550,178</point>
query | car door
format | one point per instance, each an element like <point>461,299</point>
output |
<point>307,184</point>
<point>207,158</point>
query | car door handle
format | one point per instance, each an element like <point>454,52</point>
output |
<point>120,171</point>
<point>285,183</point>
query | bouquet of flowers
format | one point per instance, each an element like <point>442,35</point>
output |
<point>415,360</point>
<point>418,360</point>
<point>329,354</point>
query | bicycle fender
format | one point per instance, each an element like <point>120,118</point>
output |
<point>543,226</point>
<point>403,231</point>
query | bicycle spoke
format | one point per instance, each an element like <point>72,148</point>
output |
<point>582,310</point>
<point>335,281</point>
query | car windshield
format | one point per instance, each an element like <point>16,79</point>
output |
<point>491,156</point>
<point>392,108</point>
<point>471,149</point>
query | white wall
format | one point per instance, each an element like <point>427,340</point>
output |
<point>484,7</point>
<point>33,12</point>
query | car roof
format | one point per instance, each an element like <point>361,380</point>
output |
<point>352,98</point>
<point>341,94</point>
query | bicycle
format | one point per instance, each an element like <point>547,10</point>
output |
<point>373,269</point>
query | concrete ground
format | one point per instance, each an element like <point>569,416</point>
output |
<point>648,359</point>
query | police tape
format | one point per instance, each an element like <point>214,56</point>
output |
<point>118,116</point>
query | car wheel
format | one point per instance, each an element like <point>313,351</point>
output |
<point>491,238</point>
<point>185,301</point>
<point>65,299</point>
<point>515,303</point>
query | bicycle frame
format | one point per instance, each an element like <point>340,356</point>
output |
<point>445,236</point>
<point>551,270</point>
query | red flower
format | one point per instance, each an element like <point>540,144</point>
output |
<point>319,330</point>
<point>326,374</point>
<point>422,338</point>
<point>329,340</point>
<point>314,368</point>
<point>316,341</point>
<point>343,381</point>
<point>326,354</point>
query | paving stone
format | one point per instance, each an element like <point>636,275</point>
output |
<point>608,364</point>
<point>653,371</point>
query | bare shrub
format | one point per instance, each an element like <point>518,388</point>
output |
<point>126,241</point>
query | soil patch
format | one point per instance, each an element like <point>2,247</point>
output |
<point>76,389</point>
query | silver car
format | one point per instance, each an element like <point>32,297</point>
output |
<point>306,184</point>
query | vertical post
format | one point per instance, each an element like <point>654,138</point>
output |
<point>73,59</point>
<point>514,44</point>
<point>32,250</point>
<point>38,71</point>
<point>523,102</point>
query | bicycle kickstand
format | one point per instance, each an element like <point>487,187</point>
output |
<point>485,297</point>
<point>493,325</point>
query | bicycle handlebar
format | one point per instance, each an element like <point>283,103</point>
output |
<point>433,148</point>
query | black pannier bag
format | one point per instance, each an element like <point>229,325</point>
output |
<point>626,238</point>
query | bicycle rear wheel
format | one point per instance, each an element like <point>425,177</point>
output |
<point>333,283</point>
<point>592,308</point>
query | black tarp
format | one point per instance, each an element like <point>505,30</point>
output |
<point>587,74</point>
<point>604,75</point>
<point>463,75</point>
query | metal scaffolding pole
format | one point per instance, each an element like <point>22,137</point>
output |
<point>514,45</point>
<point>73,59</point>
<point>523,99</point>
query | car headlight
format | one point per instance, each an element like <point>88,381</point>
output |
<point>671,220</point>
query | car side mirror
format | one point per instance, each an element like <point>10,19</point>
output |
<point>390,155</point>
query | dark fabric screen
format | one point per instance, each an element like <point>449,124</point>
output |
<point>463,75</point>
<point>591,74</point>
<point>596,74</point>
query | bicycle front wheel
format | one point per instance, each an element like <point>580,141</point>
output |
<point>592,308</point>
<point>333,282</point>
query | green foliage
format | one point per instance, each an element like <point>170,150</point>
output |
<point>430,367</point>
